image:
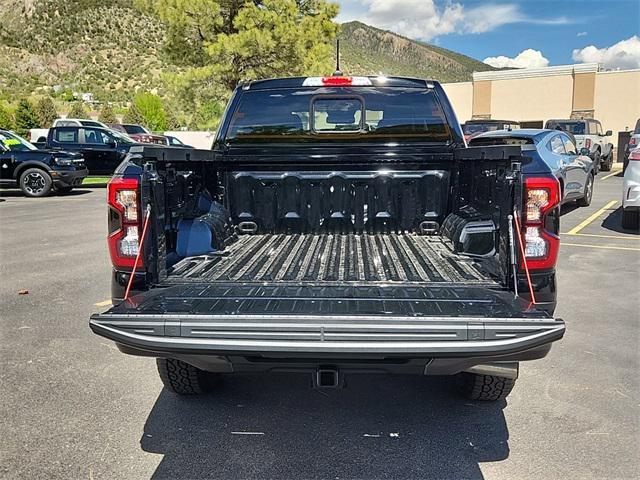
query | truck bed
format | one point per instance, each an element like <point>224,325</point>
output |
<point>340,258</point>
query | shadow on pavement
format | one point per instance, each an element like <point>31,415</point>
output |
<point>18,193</point>
<point>568,208</point>
<point>378,427</point>
<point>613,222</point>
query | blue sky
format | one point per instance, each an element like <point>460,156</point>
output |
<point>548,32</point>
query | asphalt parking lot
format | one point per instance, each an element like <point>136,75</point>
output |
<point>74,407</point>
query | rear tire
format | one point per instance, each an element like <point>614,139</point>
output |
<point>631,219</point>
<point>184,379</point>
<point>488,388</point>
<point>35,182</point>
<point>588,193</point>
<point>608,162</point>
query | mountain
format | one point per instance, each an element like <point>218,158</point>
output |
<point>106,47</point>
<point>111,49</point>
<point>369,50</point>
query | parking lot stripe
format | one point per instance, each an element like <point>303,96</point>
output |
<point>103,304</point>
<point>612,174</point>
<point>615,237</point>
<point>593,217</point>
<point>602,247</point>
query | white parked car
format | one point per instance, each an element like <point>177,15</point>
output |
<point>588,134</point>
<point>631,192</point>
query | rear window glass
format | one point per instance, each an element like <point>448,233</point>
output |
<point>474,128</point>
<point>577,128</point>
<point>487,141</point>
<point>66,136</point>
<point>637,129</point>
<point>133,129</point>
<point>353,114</point>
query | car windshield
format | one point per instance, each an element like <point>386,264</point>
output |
<point>577,128</point>
<point>134,129</point>
<point>121,137</point>
<point>332,114</point>
<point>474,128</point>
<point>15,143</point>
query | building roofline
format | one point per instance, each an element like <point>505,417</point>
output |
<point>537,72</point>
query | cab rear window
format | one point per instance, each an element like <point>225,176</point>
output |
<point>356,114</point>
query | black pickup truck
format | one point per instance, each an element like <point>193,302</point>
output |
<point>339,225</point>
<point>102,148</point>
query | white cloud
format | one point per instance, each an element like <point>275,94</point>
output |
<point>582,34</point>
<point>528,58</point>
<point>426,19</point>
<point>624,54</point>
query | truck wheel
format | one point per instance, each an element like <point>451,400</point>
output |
<point>631,219</point>
<point>35,182</point>
<point>184,379</point>
<point>607,162</point>
<point>588,193</point>
<point>485,387</point>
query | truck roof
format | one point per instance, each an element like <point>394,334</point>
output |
<point>375,81</point>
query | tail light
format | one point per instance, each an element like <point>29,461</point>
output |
<point>336,81</point>
<point>123,196</point>
<point>542,195</point>
<point>633,141</point>
<point>587,143</point>
<point>634,155</point>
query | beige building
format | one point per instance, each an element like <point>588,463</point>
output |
<point>533,96</point>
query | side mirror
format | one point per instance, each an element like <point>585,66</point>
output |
<point>608,133</point>
<point>584,151</point>
<point>112,144</point>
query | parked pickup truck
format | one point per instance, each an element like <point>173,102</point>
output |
<point>588,134</point>
<point>339,225</point>
<point>102,148</point>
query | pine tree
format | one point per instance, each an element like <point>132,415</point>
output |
<point>133,115</point>
<point>78,111</point>
<point>46,112</point>
<point>25,117</point>
<point>106,115</point>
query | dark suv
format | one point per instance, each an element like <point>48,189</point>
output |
<point>37,172</point>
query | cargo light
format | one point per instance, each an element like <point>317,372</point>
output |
<point>124,221</point>
<point>337,81</point>
<point>541,247</point>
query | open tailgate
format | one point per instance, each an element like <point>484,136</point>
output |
<point>443,320</point>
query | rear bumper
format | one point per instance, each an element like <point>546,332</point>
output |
<point>328,336</point>
<point>72,178</point>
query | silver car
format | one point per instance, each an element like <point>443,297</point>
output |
<point>631,192</point>
<point>573,167</point>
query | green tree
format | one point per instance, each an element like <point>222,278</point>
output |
<point>223,42</point>
<point>148,110</point>
<point>78,111</point>
<point>46,111</point>
<point>6,119</point>
<point>106,114</point>
<point>25,117</point>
